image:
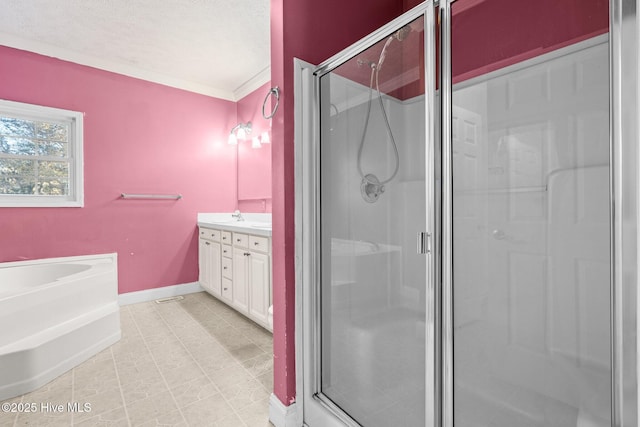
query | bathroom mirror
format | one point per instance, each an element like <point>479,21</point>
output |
<point>254,171</point>
<point>254,153</point>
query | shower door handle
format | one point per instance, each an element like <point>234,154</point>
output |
<point>424,242</point>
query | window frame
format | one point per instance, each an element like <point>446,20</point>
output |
<point>75,154</point>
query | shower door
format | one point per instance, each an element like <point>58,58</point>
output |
<point>531,271</point>
<point>373,294</point>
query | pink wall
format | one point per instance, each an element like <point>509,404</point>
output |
<point>254,164</point>
<point>512,32</point>
<point>139,137</point>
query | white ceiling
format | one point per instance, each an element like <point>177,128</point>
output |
<point>215,47</point>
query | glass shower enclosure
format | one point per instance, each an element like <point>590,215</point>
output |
<point>458,225</point>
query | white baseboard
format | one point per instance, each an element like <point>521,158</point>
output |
<point>280,415</point>
<point>157,293</point>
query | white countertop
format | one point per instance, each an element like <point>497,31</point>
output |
<point>254,223</point>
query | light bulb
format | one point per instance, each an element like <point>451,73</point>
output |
<point>232,139</point>
<point>264,138</point>
<point>255,142</point>
<point>242,134</point>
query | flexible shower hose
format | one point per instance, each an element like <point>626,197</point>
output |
<point>375,71</point>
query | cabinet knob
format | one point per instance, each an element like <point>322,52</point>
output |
<point>255,243</point>
<point>247,254</point>
<point>226,289</point>
<point>237,240</point>
<point>207,243</point>
<point>224,268</point>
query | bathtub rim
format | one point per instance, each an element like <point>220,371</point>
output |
<point>113,256</point>
<point>95,261</point>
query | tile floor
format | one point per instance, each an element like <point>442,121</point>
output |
<point>194,362</point>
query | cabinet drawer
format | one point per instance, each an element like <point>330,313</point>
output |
<point>227,267</point>
<point>227,252</point>
<point>241,240</point>
<point>209,234</point>
<point>227,291</point>
<point>257,243</point>
<point>226,237</point>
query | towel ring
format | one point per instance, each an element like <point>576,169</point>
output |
<point>273,91</point>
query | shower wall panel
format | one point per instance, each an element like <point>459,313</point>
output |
<point>531,243</point>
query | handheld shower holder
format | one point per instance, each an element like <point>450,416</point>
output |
<point>370,188</point>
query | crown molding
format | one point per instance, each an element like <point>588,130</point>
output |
<point>253,83</point>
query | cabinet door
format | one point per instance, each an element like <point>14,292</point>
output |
<point>240,279</point>
<point>204,263</point>
<point>215,279</point>
<point>259,279</point>
<point>209,263</point>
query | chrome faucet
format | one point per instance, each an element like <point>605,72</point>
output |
<point>237,215</point>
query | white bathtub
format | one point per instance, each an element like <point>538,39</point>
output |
<point>54,314</point>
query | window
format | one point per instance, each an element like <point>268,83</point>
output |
<point>40,156</point>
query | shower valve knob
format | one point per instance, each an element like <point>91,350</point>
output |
<point>499,234</point>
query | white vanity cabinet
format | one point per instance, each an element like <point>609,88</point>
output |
<point>227,274</point>
<point>209,261</point>
<point>236,268</point>
<point>259,287</point>
<point>241,279</point>
<point>260,278</point>
<point>252,276</point>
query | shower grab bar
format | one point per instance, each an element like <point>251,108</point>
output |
<point>540,189</point>
<point>151,196</point>
<point>535,189</point>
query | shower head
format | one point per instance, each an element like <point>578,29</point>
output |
<point>402,33</point>
<point>399,35</point>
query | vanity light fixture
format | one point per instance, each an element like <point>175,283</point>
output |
<point>265,138</point>
<point>239,132</point>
